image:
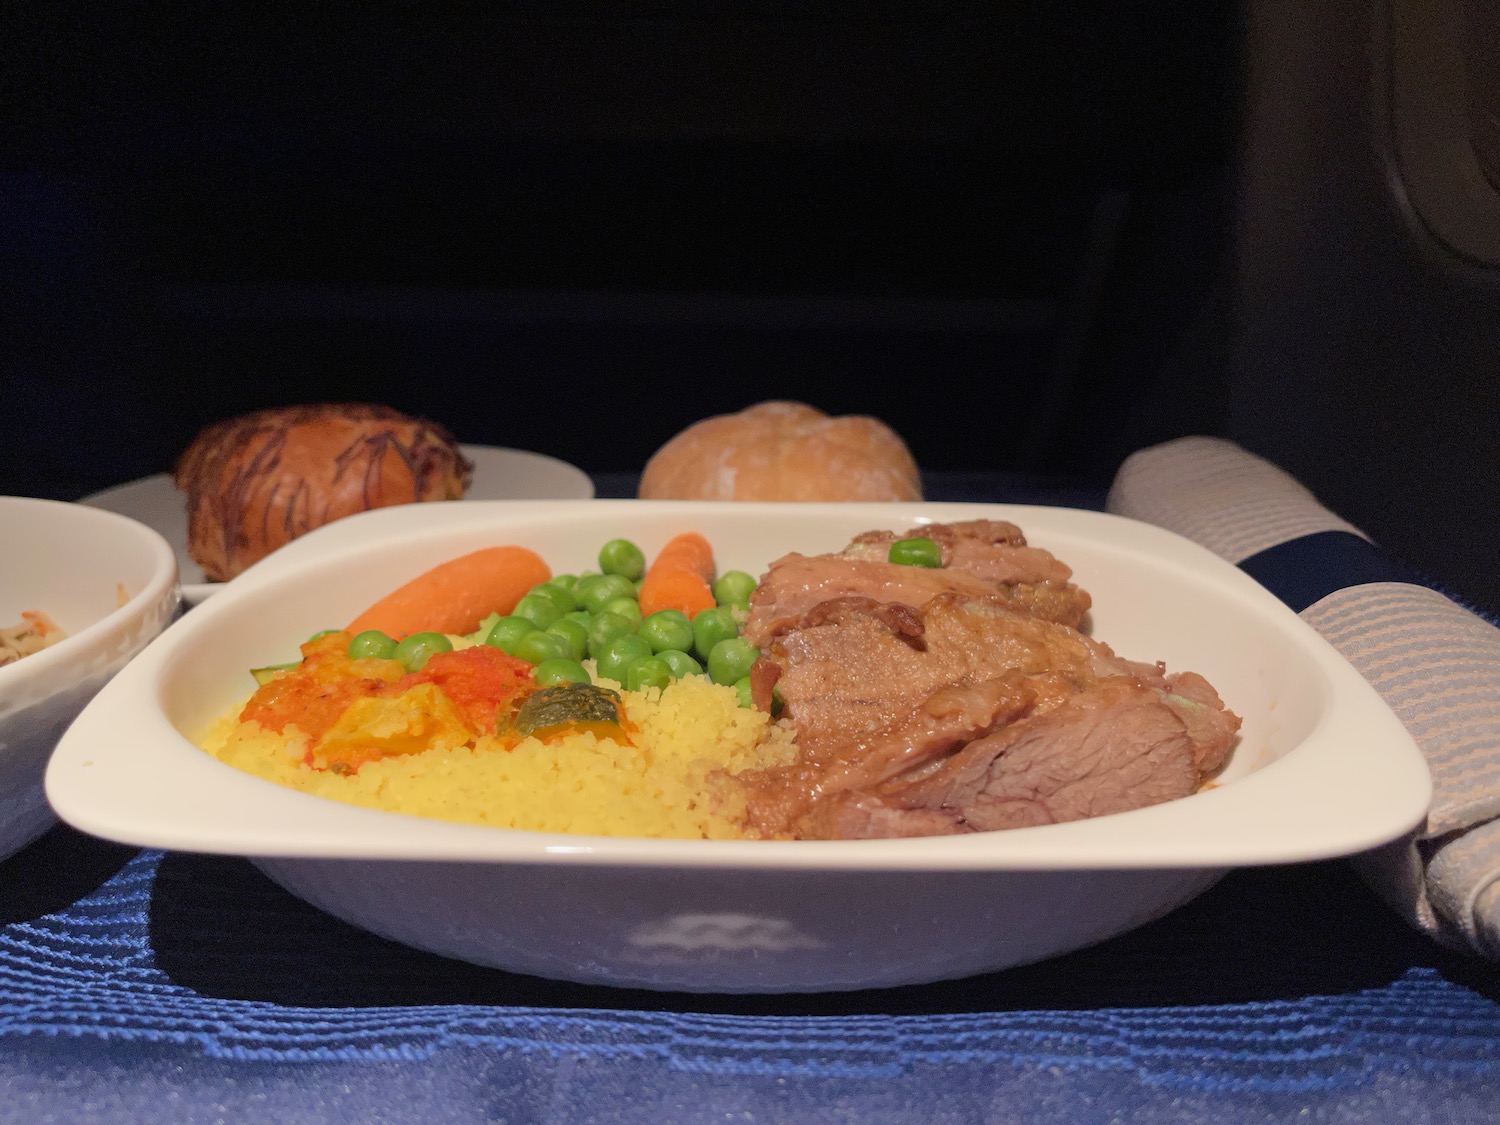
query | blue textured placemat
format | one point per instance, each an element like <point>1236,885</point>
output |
<point>179,988</point>
<point>137,986</point>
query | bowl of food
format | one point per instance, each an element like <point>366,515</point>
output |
<point>896,742</point>
<point>81,592</point>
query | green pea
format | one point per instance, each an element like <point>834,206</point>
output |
<point>482,634</point>
<point>916,552</point>
<point>320,634</point>
<point>734,587</point>
<point>575,634</point>
<point>606,627</point>
<point>626,607</point>
<point>615,658</point>
<point>416,650</point>
<point>680,663</point>
<point>742,689</point>
<point>636,586</point>
<point>585,583</point>
<point>507,631</point>
<point>566,581</point>
<point>582,616</point>
<point>539,609</point>
<point>730,659</point>
<point>559,596</point>
<point>558,670</point>
<point>667,628</point>
<point>540,645</point>
<point>651,671</point>
<point>622,557</point>
<point>607,587</point>
<point>372,643</point>
<point>710,626</point>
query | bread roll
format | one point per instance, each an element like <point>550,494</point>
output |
<point>258,481</point>
<point>783,451</point>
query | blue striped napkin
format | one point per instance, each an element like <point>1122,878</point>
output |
<point>1434,661</point>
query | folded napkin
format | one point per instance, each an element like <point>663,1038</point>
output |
<point>1434,661</point>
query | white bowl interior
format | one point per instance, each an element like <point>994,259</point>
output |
<point>73,563</point>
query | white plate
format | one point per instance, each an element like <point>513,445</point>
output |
<point>499,474</point>
<point>1323,769</point>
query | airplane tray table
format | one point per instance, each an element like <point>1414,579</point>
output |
<point>151,987</point>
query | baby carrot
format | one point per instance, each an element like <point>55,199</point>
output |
<point>455,596</point>
<point>675,589</point>
<point>679,576</point>
<point>689,551</point>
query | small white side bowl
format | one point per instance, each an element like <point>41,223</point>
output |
<point>111,584</point>
<point>1323,769</point>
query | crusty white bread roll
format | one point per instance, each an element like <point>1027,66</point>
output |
<point>783,451</point>
<point>258,481</point>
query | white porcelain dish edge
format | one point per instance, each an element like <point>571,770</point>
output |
<point>716,916</point>
<point>1283,812</point>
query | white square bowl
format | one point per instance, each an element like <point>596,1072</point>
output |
<point>1323,769</point>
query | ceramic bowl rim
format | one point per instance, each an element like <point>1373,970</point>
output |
<point>1220,825</point>
<point>56,657</point>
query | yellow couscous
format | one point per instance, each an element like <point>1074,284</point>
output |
<point>668,781</point>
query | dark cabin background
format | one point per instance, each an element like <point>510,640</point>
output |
<point>1031,236</point>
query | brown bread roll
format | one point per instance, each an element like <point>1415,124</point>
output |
<point>783,451</point>
<point>258,481</point>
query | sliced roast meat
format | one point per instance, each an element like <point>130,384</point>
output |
<point>1212,727</point>
<point>901,619</point>
<point>980,558</point>
<point>1114,747</point>
<point>763,676</point>
<point>946,535</point>
<point>945,721</point>
<point>846,673</point>
<point>858,815</point>
<point>796,583</point>
<point>993,550</point>
<point>968,714</point>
